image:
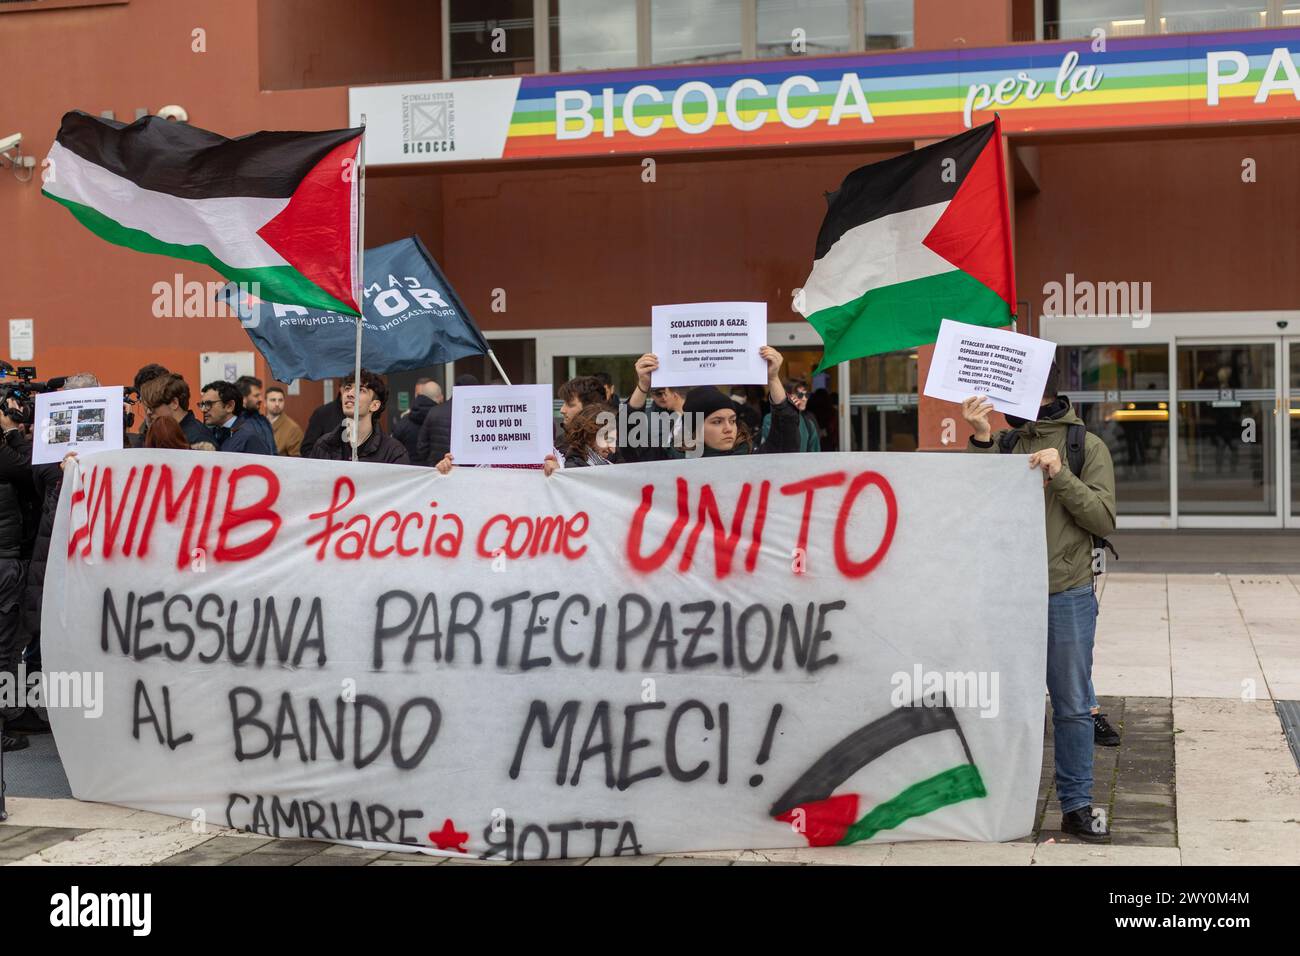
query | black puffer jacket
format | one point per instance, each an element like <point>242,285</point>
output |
<point>407,429</point>
<point>17,496</point>
<point>378,447</point>
<point>48,482</point>
<point>435,435</point>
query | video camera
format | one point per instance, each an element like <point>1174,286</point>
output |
<point>18,390</point>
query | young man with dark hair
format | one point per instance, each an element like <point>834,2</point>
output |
<point>372,444</point>
<point>1080,512</point>
<point>288,436</point>
<point>169,395</point>
<point>232,431</point>
<point>607,383</point>
<point>250,389</point>
<point>578,393</point>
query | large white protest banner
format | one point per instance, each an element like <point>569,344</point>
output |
<point>678,656</point>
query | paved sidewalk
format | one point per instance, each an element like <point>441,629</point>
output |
<point>1188,667</point>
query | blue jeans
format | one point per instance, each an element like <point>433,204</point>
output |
<point>1071,627</point>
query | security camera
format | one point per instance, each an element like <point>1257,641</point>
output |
<point>11,143</point>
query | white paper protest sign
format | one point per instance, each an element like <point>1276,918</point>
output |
<point>501,424</point>
<point>84,420</point>
<point>608,661</point>
<point>709,343</point>
<point>1011,369</point>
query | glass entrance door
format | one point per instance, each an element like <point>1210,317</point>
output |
<point>1229,434</point>
<point>1291,424</point>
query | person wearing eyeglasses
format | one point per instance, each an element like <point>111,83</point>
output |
<point>232,432</point>
<point>809,440</point>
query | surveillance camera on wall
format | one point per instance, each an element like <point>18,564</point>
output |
<point>10,143</point>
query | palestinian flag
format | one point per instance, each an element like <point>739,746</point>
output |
<point>278,209</point>
<point>923,746</point>
<point>911,241</point>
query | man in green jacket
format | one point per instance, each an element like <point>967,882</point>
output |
<point>1078,507</point>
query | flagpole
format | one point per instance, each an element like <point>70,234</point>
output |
<point>500,370</point>
<point>361,282</point>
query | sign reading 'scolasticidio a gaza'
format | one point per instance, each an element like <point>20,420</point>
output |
<point>1095,84</point>
<point>610,661</point>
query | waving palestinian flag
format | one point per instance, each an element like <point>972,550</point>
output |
<point>923,746</point>
<point>278,209</point>
<point>911,241</point>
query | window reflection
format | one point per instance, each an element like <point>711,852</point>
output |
<point>1122,395</point>
<point>592,34</point>
<point>824,25</point>
<point>687,31</point>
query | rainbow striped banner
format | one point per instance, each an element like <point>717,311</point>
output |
<point>1157,81</point>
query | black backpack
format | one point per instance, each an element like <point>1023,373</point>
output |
<point>1075,437</point>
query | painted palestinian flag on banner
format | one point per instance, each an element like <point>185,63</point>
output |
<point>839,801</point>
<point>909,242</point>
<point>278,209</point>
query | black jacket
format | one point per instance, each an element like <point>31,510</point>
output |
<point>324,420</point>
<point>407,429</point>
<point>435,435</point>
<point>378,447</point>
<point>48,481</point>
<point>195,431</point>
<point>18,517</point>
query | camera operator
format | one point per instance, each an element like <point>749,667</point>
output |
<point>17,532</point>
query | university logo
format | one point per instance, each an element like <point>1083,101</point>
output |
<point>428,123</point>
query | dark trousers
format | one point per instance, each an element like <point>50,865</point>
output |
<point>13,637</point>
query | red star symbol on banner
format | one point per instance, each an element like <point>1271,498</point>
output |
<point>449,838</point>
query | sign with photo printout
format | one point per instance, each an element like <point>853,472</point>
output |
<point>501,424</point>
<point>1011,369</point>
<point>83,420</point>
<point>709,343</point>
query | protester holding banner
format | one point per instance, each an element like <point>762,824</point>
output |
<point>1079,508</point>
<point>372,443</point>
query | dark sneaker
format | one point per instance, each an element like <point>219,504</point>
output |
<point>1103,734</point>
<point>28,724</point>
<point>1087,824</point>
<point>8,743</point>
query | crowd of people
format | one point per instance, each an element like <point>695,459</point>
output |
<point>597,427</point>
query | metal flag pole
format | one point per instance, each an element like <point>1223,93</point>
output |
<point>359,286</point>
